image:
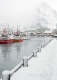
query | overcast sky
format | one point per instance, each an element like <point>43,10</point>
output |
<point>21,11</point>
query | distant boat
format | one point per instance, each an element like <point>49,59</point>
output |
<point>26,37</point>
<point>55,36</point>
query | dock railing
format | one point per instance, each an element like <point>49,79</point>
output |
<point>6,75</point>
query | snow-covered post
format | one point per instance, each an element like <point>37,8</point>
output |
<point>6,75</point>
<point>34,53</point>
<point>39,49</point>
<point>25,61</point>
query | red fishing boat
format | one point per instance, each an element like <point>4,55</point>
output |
<point>6,41</point>
<point>7,38</point>
<point>19,40</point>
<point>16,35</point>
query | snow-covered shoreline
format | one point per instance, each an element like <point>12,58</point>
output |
<point>44,67</point>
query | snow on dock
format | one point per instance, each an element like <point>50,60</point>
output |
<point>44,67</point>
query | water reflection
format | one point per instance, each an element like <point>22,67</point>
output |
<point>17,48</point>
<point>5,51</point>
<point>25,45</point>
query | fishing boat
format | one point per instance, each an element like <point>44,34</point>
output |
<point>7,41</point>
<point>16,35</point>
<point>26,37</point>
<point>55,36</point>
<point>7,38</point>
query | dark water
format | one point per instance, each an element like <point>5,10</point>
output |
<point>12,54</point>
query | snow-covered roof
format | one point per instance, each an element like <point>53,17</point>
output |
<point>48,32</point>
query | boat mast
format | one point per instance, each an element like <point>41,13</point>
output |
<point>18,29</point>
<point>8,30</point>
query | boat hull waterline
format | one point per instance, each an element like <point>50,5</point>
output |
<point>10,41</point>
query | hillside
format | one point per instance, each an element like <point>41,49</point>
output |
<point>45,17</point>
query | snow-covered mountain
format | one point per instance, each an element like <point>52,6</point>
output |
<point>45,17</point>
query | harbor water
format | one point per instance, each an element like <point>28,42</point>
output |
<point>12,54</point>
